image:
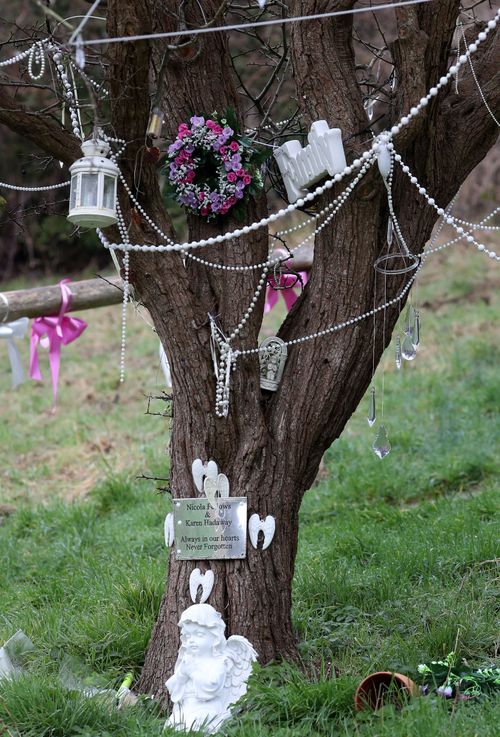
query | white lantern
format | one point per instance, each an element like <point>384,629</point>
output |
<point>92,200</point>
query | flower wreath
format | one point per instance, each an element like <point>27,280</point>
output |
<point>211,169</point>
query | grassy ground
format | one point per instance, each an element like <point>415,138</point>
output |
<point>396,562</point>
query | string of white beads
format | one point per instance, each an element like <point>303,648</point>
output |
<point>4,185</point>
<point>15,59</point>
<point>447,217</point>
<point>68,92</point>
<point>36,55</point>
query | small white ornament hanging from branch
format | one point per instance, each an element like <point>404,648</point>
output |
<point>262,4</point>
<point>272,358</point>
<point>303,167</point>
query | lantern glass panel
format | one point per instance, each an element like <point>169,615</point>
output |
<point>109,193</point>
<point>74,186</point>
<point>89,190</point>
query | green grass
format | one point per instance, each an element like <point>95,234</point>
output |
<point>396,562</point>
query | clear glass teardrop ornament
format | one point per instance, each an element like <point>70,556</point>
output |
<point>389,232</point>
<point>415,335</point>
<point>408,350</point>
<point>372,414</point>
<point>409,320</point>
<point>381,445</point>
<point>398,352</point>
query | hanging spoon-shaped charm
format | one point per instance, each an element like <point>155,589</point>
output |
<point>372,414</point>
<point>409,320</point>
<point>389,232</point>
<point>381,445</point>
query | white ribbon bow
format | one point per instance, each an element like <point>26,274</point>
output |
<point>10,331</point>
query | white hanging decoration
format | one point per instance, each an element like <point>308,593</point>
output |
<point>165,367</point>
<point>272,358</point>
<point>210,674</point>
<point>267,526</point>
<point>205,580</point>
<point>384,160</point>
<point>303,167</point>
<point>262,4</point>
<point>218,487</point>
<point>169,530</point>
<point>92,200</point>
<point>11,331</point>
<point>200,470</point>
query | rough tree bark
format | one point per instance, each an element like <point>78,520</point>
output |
<point>270,446</point>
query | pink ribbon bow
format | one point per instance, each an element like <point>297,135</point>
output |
<point>52,332</point>
<point>289,294</point>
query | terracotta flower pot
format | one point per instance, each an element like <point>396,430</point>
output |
<point>382,688</point>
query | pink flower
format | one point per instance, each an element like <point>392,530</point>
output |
<point>184,132</point>
<point>247,179</point>
<point>231,201</point>
<point>210,124</point>
<point>223,150</point>
<point>231,177</point>
<point>201,196</point>
<point>234,146</point>
<point>190,176</point>
<point>240,172</point>
<point>205,210</point>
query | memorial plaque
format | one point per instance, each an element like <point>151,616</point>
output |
<point>210,530</point>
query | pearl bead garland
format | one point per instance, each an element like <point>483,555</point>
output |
<point>447,217</point>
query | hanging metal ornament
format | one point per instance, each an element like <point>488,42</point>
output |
<point>272,359</point>
<point>92,199</point>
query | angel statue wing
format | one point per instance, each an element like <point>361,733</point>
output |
<point>240,656</point>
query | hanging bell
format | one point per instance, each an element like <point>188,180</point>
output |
<point>92,200</point>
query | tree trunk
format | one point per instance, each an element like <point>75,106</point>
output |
<point>271,444</point>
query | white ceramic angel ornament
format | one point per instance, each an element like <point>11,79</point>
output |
<point>211,672</point>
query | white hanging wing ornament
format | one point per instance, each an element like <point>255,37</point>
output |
<point>165,366</point>
<point>216,487</point>
<point>267,526</point>
<point>262,4</point>
<point>169,530</point>
<point>200,470</point>
<point>272,358</point>
<point>205,580</point>
<point>303,167</point>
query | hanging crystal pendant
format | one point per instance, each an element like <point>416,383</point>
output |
<point>381,445</point>
<point>389,232</point>
<point>416,331</point>
<point>398,352</point>
<point>408,350</point>
<point>372,415</point>
<point>409,320</point>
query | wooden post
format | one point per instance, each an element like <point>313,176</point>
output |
<point>47,300</point>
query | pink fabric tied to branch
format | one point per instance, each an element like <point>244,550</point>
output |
<point>52,332</point>
<point>286,286</point>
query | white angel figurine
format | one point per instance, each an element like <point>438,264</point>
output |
<point>211,672</point>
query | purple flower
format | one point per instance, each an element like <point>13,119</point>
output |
<point>228,166</point>
<point>175,146</point>
<point>227,132</point>
<point>239,194</point>
<point>197,121</point>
